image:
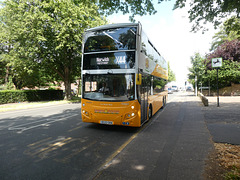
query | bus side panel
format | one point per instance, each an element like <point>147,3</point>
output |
<point>111,113</point>
<point>157,101</point>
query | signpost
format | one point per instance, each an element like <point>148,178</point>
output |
<point>217,63</point>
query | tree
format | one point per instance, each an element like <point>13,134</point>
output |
<point>230,71</point>
<point>212,11</point>
<point>201,11</point>
<point>198,70</point>
<point>221,37</point>
<point>171,75</point>
<point>230,30</point>
<point>48,34</point>
<point>233,25</point>
<point>3,68</point>
<point>4,51</point>
<point>3,71</point>
<point>230,50</point>
<point>132,7</point>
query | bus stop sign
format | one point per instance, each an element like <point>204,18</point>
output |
<point>216,62</point>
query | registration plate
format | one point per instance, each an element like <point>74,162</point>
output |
<point>106,122</point>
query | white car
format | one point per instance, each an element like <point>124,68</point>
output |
<point>175,88</point>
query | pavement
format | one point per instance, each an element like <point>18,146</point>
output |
<point>28,105</point>
<point>178,140</point>
<point>173,146</point>
<point>223,122</point>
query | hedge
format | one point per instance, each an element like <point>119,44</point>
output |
<point>13,96</point>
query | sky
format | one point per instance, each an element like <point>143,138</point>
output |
<point>169,31</point>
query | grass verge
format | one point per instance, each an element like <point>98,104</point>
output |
<point>27,105</point>
<point>223,163</point>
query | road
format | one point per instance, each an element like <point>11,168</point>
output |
<point>52,143</point>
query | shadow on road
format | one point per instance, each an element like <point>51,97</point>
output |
<point>59,145</point>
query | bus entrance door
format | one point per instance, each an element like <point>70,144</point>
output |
<point>144,99</point>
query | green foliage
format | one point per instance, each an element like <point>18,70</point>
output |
<point>2,71</point>
<point>228,73</point>
<point>234,174</point>
<point>198,69</point>
<point>45,38</point>
<point>226,45</point>
<point>213,11</point>
<point>132,7</point>
<point>159,84</point>
<point>228,51</point>
<point>12,96</point>
<point>171,75</point>
<point>201,11</point>
<point>10,85</point>
<point>233,25</point>
<point>228,32</point>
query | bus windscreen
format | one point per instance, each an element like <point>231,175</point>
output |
<point>111,39</point>
<point>109,87</point>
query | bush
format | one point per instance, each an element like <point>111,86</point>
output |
<point>12,96</point>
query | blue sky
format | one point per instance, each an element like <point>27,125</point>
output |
<point>170,33</point>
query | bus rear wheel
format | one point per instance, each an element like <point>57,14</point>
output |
<point>150,112</point>
<point>164,102</point>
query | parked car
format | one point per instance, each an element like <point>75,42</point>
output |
<point>189,89</point>
<point>170,90</point>
<point>174,88</point>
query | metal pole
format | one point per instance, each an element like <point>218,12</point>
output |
<point>209,92</point>
<point>195,85</point>
<point>217,90</point>
<point>201,87</point>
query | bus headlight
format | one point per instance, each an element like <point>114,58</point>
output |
<point>129,115</point>
<point>132,107</point>
<point>85,113</point>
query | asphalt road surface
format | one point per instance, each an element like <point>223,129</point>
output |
<point>52,143</point>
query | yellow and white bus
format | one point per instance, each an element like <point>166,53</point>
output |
<point>123,76</point>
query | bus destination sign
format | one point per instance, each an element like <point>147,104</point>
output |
<point>107,61</point>
<point>102,61</point>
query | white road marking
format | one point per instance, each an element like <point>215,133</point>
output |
<point>46,122</point>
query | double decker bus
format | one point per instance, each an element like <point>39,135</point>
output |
<point>123,76</point>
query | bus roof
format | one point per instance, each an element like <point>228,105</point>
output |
<point>108,26</point>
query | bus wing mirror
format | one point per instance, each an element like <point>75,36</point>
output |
<point>139,79</point>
